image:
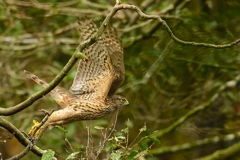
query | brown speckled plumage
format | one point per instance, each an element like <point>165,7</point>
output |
<point>96,80</point>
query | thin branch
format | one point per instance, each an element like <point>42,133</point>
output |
<point>40,94</point>
<point>203,63</point>
<point>194,145</point>
<point>160,20</point>
<point>22,154</point>
<point>20,136</point>
<point>30,141</point>
<point>106,138</point>
<point>119,6</point>
<point>224,153</point>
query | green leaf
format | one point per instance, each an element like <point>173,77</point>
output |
<point>116,156</point>
<point>154,139</point>
<point>231,95</point>
<point>48,155</point>
<point>72,155</point>
<point>143,145</point>
<point>125,130</point>
<point>82,149</point>
<point>108,146</point>
<point>98,127</point>
<point>144,128</point>
<point>146,132</point>
<point>62,129</point>
<point>129,124</point>
<point>141,153</point>
<point>114,146</point>
<point>132,154</point>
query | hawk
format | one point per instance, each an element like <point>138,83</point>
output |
<point>96,81</point>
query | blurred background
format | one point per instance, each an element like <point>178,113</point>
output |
<point>164,79</point>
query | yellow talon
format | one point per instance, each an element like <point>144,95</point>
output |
<point>35,124</point>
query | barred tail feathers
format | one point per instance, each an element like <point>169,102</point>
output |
<point>56,93</point>
<point>36,79</point>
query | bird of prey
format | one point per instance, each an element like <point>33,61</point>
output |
<point>96,81</point>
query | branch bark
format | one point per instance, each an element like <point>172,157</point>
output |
<point>20,136</point>
<point>224,153</point>
<point>194,145</point>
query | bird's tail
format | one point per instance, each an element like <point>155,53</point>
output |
<point>59,96</point>
<point>36,79</point>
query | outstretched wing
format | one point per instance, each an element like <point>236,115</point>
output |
<point>115,49</point>
<point>95,75</point>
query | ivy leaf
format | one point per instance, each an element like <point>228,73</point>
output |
<point>72,155</point>
<point>48,155</point>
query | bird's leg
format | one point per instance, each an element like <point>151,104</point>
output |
<point>34,127</point>
<point>64,116</point>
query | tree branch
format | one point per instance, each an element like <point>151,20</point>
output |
<point>224,153</point>
<point>194,145</point>
<point>28,141</point>
<point>20,136</point>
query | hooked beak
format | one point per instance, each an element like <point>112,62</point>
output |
<point>126,103</point>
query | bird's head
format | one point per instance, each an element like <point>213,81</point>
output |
<point>117,101</point>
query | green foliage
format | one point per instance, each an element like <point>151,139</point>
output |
<point>62,129</point>
<point>72,155</point>
<point>48,155</point>
<point>115,144</point>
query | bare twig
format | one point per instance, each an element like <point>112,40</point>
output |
<point>109,135</point>
<point>160,20</point>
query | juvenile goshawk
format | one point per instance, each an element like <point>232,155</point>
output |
<point>96,80</point>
